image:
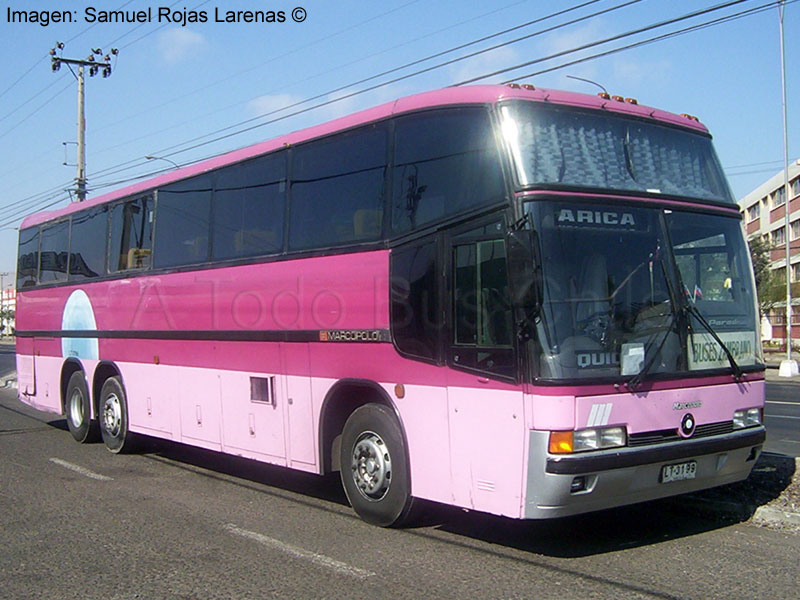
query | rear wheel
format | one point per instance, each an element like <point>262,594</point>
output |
<point>374,466</point>
<point>113,415</point>
<point>77,409</point>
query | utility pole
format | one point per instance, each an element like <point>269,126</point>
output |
<point>94,68</point>
<point>3,304</point>
<point>788,366</point>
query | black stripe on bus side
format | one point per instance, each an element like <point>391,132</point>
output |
<point>224,335</point>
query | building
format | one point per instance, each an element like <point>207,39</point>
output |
<point>8,302</point>
<point>764,211</point>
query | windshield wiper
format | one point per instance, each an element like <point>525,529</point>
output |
<point>634,382</point>
<point>691,309</point>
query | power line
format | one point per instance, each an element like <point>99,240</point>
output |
<point>305,79</point>
<point>39,61</point>
<point>727,18</point>
<point>613,38</point>
<point>659,38</point>
<point>259,65</point>
<point>37,109</point>
<point>166,151</point>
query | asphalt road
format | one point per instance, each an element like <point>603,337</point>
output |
<point>782,415</point>
<point>176,522</point>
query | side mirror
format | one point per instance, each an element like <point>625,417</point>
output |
<point>525,270</point>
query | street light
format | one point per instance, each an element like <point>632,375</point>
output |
<point>172,162</point>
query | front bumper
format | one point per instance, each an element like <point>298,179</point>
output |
<point>629,475</point>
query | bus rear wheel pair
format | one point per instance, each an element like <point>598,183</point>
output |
<point>112,422</point>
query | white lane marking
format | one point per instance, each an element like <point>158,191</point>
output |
<point>318,559</point>
<point>782,402</point>
<point>781,417</point>
<point>81,470</point>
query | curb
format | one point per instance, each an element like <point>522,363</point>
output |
<point>769,515</point>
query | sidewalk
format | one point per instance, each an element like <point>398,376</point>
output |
<point>8,344</point>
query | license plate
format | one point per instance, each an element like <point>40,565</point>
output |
<point>679,472</point>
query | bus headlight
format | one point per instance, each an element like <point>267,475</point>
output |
<point>564,442</point>
<point>747,418</point>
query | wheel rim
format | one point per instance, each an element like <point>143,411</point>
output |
<point>112,415</point>
<point>76,408</point>
<point>371,464</point>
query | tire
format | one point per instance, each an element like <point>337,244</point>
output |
<point>113,416</point>
<point>374,466</point>
<point>78,411</point>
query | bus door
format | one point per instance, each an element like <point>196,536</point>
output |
<point>486,419</point>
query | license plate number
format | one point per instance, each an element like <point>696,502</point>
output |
<point>679,472</point>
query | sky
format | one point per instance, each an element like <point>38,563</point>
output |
<point>185,77</point>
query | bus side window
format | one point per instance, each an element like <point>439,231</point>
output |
<point>88,239</point>
<point>248,208</point>
<point>337,189</point>
<point>28,263</point>
<point>184,219</point>
<point>446,162</point>
<point>54,253</point>
<point>131,239</point>
<point>415,301</point>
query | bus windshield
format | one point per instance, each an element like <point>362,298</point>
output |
<point>564,146</point>
<point>617,285</point>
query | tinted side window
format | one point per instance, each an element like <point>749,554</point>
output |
<point>249,207</point>
<point>482,317</point>
<point>131,235</point>
<point>482,311</point>
<point>337,190</point>
<point>54,253</point>
<point>88,244</point>
<point>445,162</point>
<point>184,210</point>
<point>28,257</point>
<point>415,306</point>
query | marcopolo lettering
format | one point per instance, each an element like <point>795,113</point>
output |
<point>595,217</point>
<point>354,335</point>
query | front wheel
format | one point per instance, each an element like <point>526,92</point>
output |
<point>113,416</point>
<point>374,466</point>
<point>77,409</point>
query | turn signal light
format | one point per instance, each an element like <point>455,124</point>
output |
<point>560,442</point>
<point>565,442</point>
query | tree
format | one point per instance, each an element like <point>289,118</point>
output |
<point>768,282</point>
<point>6,315</point>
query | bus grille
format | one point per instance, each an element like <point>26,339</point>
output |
<point>671,435</point>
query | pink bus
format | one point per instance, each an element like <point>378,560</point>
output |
<point>526,302</point>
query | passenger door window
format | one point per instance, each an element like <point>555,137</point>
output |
<point>482,323</point>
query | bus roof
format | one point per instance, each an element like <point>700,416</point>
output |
<point>479,94</point>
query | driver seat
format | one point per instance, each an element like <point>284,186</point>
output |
<point>593,295</point>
